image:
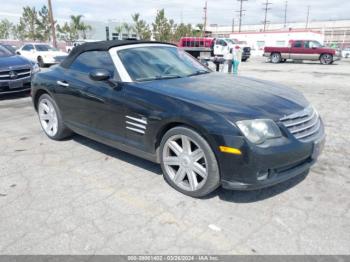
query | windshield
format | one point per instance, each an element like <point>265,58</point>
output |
<point>159,62</point>
<point>4,52</point>
<point>45,48</point>
<point>228,40</point>
<point>314,44</point>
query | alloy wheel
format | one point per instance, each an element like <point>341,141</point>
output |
<point>48,117</point>
<point>327,59</point>
<point>185,163</point>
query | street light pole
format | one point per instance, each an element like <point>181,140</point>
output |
<point>53,30</point>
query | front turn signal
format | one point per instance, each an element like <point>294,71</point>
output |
<point>230,150</point>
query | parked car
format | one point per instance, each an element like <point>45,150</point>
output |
<point>302,50</point>
<point>346,52</point>
<point>15,72</point>
<point>11,48</point>
<point>43,54</point>
<point>207,47</point>
<point>155,101</point>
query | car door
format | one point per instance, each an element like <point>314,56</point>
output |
<point>96,106</point>
<point>298,51</point>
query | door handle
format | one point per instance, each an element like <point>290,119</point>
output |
<point>62,83</point>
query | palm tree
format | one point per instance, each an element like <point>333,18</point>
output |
<point>78,26</point>
<point>127,28</point>
<point>118,29</point>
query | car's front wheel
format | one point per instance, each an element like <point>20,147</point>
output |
<point>188,162</point>
<point>326,59</point>
<point>51,119</point>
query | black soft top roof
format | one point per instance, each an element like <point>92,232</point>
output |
<point>100,46</point>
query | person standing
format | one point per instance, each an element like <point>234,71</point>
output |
<point>228,60</point>
<point>237,58</point>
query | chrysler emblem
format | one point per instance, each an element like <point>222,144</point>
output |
<point>13,75</point>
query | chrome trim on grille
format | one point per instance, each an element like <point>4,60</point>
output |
<point>304,125</point>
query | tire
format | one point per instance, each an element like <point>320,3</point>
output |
<point>347,56</point>
<point>178,162</point>
<point>275,58</point>
<point>326,59</point>
<point>41,62</point>
<point>244,59</point>
<point>50,118</point>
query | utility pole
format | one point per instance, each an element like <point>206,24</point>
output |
<point>205,9</point>
<point>233,25</point>
<point>266,8</point>
<point>241,14</point>
<point>285,14</point>
<point>52,21</point>
<point>307,17</point>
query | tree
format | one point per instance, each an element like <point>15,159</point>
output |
<point>78,27</point>
<point>5,29</point>
<point>44,25</point>
<point>28,23</point>
<point>161,27</point>
<point>141,27</point>
<point>182,30</point>
<point>127,28</point>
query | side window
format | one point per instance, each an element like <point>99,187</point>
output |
<point>298,44</point>
<point>27,47</point>
<point>88,61</point>
<point>307,44</point>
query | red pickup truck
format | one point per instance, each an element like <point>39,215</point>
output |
<point>302,50</point>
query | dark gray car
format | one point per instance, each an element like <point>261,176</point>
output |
<point>15,72</point>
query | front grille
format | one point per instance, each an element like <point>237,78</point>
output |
<point>304,125</point>
<point>14,74</point>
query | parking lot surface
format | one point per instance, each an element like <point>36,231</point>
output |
<point>81,197</point>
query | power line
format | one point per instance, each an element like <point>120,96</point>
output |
<point>285,14</point>
<point>241,14</point>
<point>266,8</point>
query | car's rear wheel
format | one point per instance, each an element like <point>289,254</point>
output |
<point>51,119</point>
<point>276,58</point>
<point>326,59</point>
<point>188,162</point>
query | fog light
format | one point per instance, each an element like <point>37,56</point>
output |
<point>262,175</point>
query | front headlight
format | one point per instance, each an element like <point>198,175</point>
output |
<point>259,130</point>
<point>35,68</point>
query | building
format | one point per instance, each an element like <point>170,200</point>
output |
<point>99,30</point>
<point>335,32</point>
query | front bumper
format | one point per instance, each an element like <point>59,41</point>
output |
<point>15,86</point>
<point>259,167</point>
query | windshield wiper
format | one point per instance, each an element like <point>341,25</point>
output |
<point>159,78</point>
<point>199,72</point>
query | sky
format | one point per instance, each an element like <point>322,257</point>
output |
<point>220,12</point>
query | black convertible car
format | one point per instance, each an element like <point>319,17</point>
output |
<point>206,129</point>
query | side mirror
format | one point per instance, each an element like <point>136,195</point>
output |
<point>100,75</point>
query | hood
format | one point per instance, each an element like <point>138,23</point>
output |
<point>13,61</point>
<point>236,97</point>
